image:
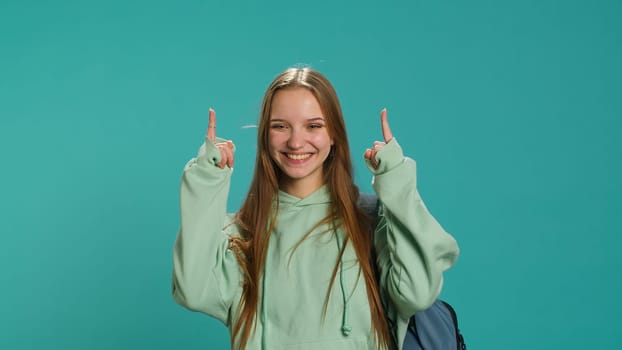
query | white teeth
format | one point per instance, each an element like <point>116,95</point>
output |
<point>298,156</point>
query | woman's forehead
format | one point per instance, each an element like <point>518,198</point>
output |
<point>295,104</point>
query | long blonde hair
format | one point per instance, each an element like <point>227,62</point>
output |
<point>256,217</point>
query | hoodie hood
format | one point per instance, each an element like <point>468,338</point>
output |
<point>319,196</point>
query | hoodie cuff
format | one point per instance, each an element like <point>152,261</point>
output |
<point>390,156</point>
<point>208,153</point>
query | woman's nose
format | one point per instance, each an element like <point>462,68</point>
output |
<point>296,139</point>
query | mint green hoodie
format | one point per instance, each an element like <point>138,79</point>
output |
<point>413,251</point>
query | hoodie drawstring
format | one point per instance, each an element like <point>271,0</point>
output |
<point>346,329</point>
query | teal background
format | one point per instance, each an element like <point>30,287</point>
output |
<point>511,108</point>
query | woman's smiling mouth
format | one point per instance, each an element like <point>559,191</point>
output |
<point>298,156</point>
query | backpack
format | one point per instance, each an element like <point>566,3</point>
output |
<point>435,328</point>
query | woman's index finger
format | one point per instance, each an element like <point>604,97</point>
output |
<point>384,123</point>
<point>211,126</point>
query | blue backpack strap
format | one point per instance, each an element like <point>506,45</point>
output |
<point>370,205</point>
<point>432,328</point>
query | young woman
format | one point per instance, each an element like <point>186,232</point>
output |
<point>297,267</point>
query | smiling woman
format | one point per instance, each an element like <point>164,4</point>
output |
<point>300,265</point>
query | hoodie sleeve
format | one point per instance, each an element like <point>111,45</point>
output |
<point>206,274</point>
<point>412,248</point>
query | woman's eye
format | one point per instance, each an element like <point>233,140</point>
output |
<point>277,126</point>
<point>316,126</point>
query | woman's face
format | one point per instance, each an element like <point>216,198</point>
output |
<point>298,138</point>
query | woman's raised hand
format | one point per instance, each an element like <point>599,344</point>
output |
<point>370,153</point>
<point>226,148</point>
